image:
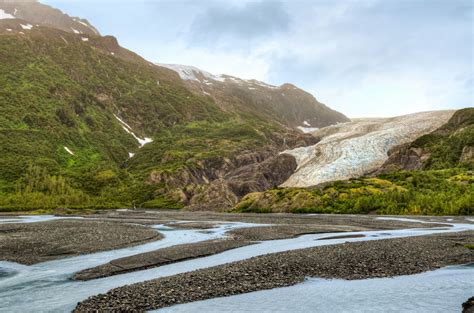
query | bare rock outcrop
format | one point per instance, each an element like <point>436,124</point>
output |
<point>404,157</point>
<point>219,183</point>
<point>468,306</point>
<point>467,155</point>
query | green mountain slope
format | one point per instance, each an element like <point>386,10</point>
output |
<point>73,106</point>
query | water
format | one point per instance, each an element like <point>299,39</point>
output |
<point>49,288</point>
<point>34,219</point>
<point>442,291</point>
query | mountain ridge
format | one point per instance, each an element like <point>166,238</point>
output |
<point>287,104</point>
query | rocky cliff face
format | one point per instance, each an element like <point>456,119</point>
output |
<point>286,104</point>
<point>404,157</point>
<point>359,147</point>
<point>219,183</point>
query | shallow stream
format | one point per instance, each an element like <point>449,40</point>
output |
<point>47,287</point>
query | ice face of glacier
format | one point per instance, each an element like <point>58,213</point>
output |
<point>355,148</point>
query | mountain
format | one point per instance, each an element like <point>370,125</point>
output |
<point>416,164</point>
<point>85,123</point>
<point>286,104</point>
<point>40,14</point>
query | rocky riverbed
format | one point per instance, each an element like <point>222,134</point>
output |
<point>359,260</point>
<point>206,219</point>
<point>160,257</point>
<point>30,243</point>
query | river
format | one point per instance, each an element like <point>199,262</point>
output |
<point>47,287</point>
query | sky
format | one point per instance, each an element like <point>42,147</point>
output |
<point>364,58</point>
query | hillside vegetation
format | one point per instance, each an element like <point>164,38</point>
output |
<point>60,92</point>
<point>434,192</point>
<point>450,145</point>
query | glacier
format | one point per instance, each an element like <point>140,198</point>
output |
<point>358,147</point>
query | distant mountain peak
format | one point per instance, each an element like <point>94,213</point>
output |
<point>40,14</point>
<point>286,104</point>
<point>188,72</point>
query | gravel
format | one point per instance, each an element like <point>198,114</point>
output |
<point>160,257</point>
<point>274,232</point>
<point>30,243</point>
<point>324,220</point>
<point>360,260</point>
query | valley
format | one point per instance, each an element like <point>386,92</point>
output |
<point>128,184</point>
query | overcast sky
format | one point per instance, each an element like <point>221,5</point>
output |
<point>363,58</point>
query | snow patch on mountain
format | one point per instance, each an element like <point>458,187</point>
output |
<point>4,15</point>
<point>129,130</point>
<point>86,25</point>
<point>187,72</point>
<point>355,148</point>
<point>27,26</point>
<point>68,150</point>
<point>307,129</point>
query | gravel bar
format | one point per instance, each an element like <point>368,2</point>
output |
<point>30,243</point>
<point>160,257</point>
<point>359,260</point>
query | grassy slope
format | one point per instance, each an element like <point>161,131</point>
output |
<point>57,94</point>
<point>434,192</point>
<point>444,187</point>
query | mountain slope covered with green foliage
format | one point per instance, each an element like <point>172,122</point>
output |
<point>71,112</point>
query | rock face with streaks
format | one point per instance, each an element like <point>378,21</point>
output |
<point>353,149</point>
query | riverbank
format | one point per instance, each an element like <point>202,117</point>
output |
<point>360,260</point>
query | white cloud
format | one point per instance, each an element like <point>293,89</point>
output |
<point>364,57</point>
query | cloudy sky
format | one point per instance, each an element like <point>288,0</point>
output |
<point>363,58</point>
